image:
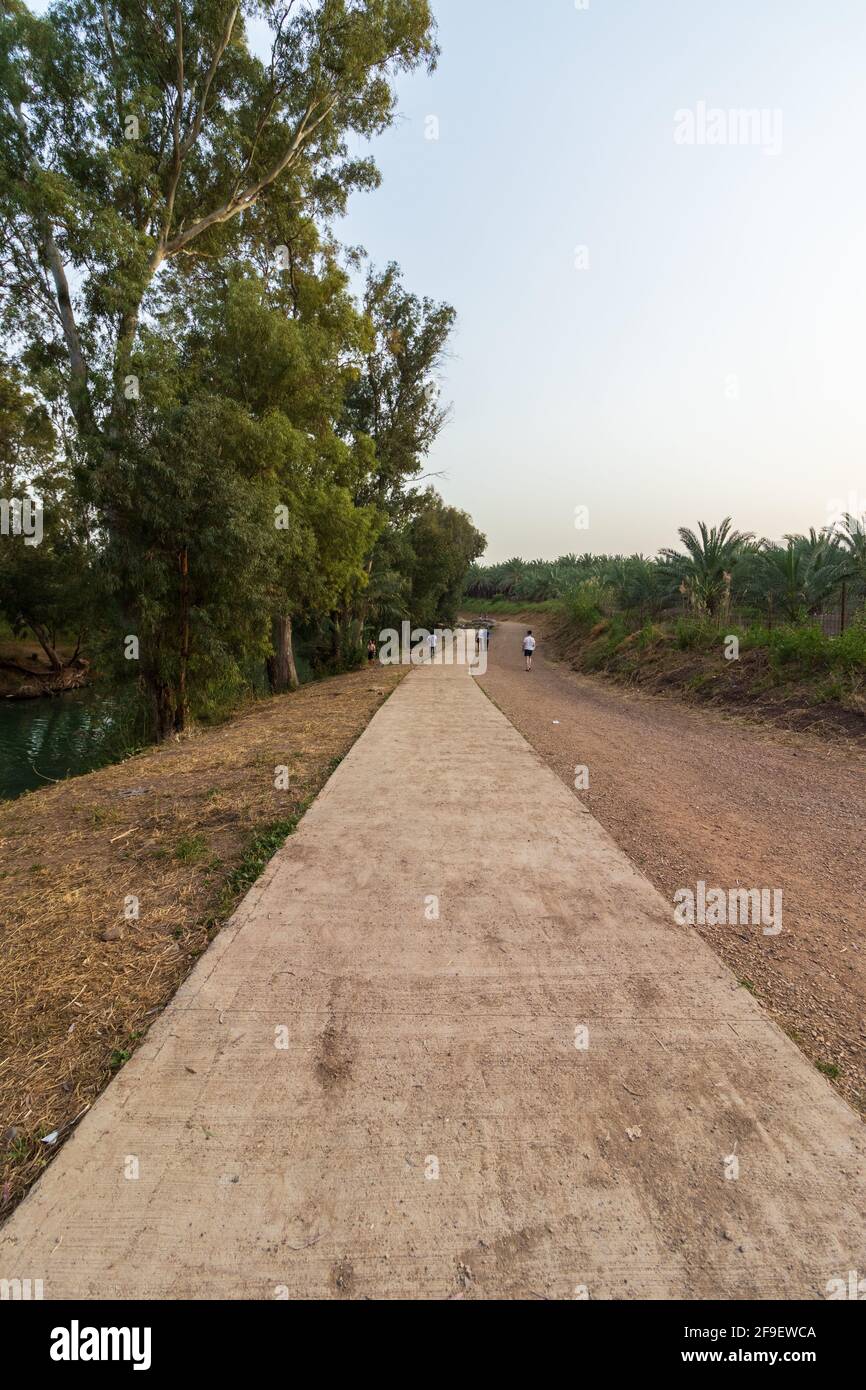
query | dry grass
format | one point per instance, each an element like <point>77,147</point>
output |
<point>185,829</point>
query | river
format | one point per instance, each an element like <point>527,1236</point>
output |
<point>42,741</point>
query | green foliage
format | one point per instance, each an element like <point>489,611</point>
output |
<point>638,585</point>
<point>191,849</point>
<point>505,607</point>
<point>166,200</point>
<point>45,588</point>
<point>796,578</point>
<point>261,851</point>
<point>704,571</point>
<point>600,651</point>
<point>394,400</point>
<point>443,542</point>
<point>584,605</point>
<point>719,570</point>
<point>696,634</point>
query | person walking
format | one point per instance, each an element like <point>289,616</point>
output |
<point>371,650</point>
<point>434,643</point>
<point>528,648</point>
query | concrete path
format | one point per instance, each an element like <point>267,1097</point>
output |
<point>353,1096</point>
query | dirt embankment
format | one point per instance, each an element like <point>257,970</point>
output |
<point>112,884</point>
<point>828,702</point>
<point>696,795</point>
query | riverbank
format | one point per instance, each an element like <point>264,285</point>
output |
<point>26,674</point>
<point>114,883</point>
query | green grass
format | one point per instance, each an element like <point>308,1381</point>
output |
<point>262,850</point>
<point>584,607</point>
<point>600,651</point>
<point>697,634</point>
<point>828,1069</point>
<point>191,849</point>
<point>794,652</point>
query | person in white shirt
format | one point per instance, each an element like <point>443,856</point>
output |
<point>434,642</point>
<point>528,648</point>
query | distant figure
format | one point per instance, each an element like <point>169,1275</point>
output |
<point>434,643</point>
<point>528,648</point>
<point>371,650</point>
<point>482,635</point>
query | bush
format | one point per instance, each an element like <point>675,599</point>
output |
<point>584,605</point>
<point>650,635</point>
<point>599,652</point>
<point>697,634</point>
<point>849,650</point>
<point>807,646</point>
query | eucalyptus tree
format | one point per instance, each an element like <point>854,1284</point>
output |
<point>45,558</point>
<point>443,542</point>
<point>137,134</point>
<point>140,142</point>
<point>396,399</point>
<point>394,402</point>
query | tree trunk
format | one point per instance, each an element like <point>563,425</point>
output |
<point>282,672</point>
<point>336,638</point>
<point>180,714</point>
<point>164,708</point>
<point>45,643</point>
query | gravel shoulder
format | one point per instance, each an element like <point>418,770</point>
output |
<point>694,795</point>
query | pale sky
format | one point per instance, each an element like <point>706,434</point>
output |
<point>709,358</point>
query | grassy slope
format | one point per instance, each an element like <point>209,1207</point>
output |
<point>186,829</point>
<point>795,676</point>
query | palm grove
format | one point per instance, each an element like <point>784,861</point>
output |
<point>715,569</point>
<point>228,442</point>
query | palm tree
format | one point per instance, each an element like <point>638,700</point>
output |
<point>706,570</point>
<point>511,574</point>
<point>851,535</point>
<point>800,576</point>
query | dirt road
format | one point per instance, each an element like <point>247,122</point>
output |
<point>694,795</point>
<point>453,1046</point>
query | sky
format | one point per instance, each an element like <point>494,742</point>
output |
<point>703,356</point>
<point>661,310</point>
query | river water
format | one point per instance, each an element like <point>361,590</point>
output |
<point>46,740</point>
